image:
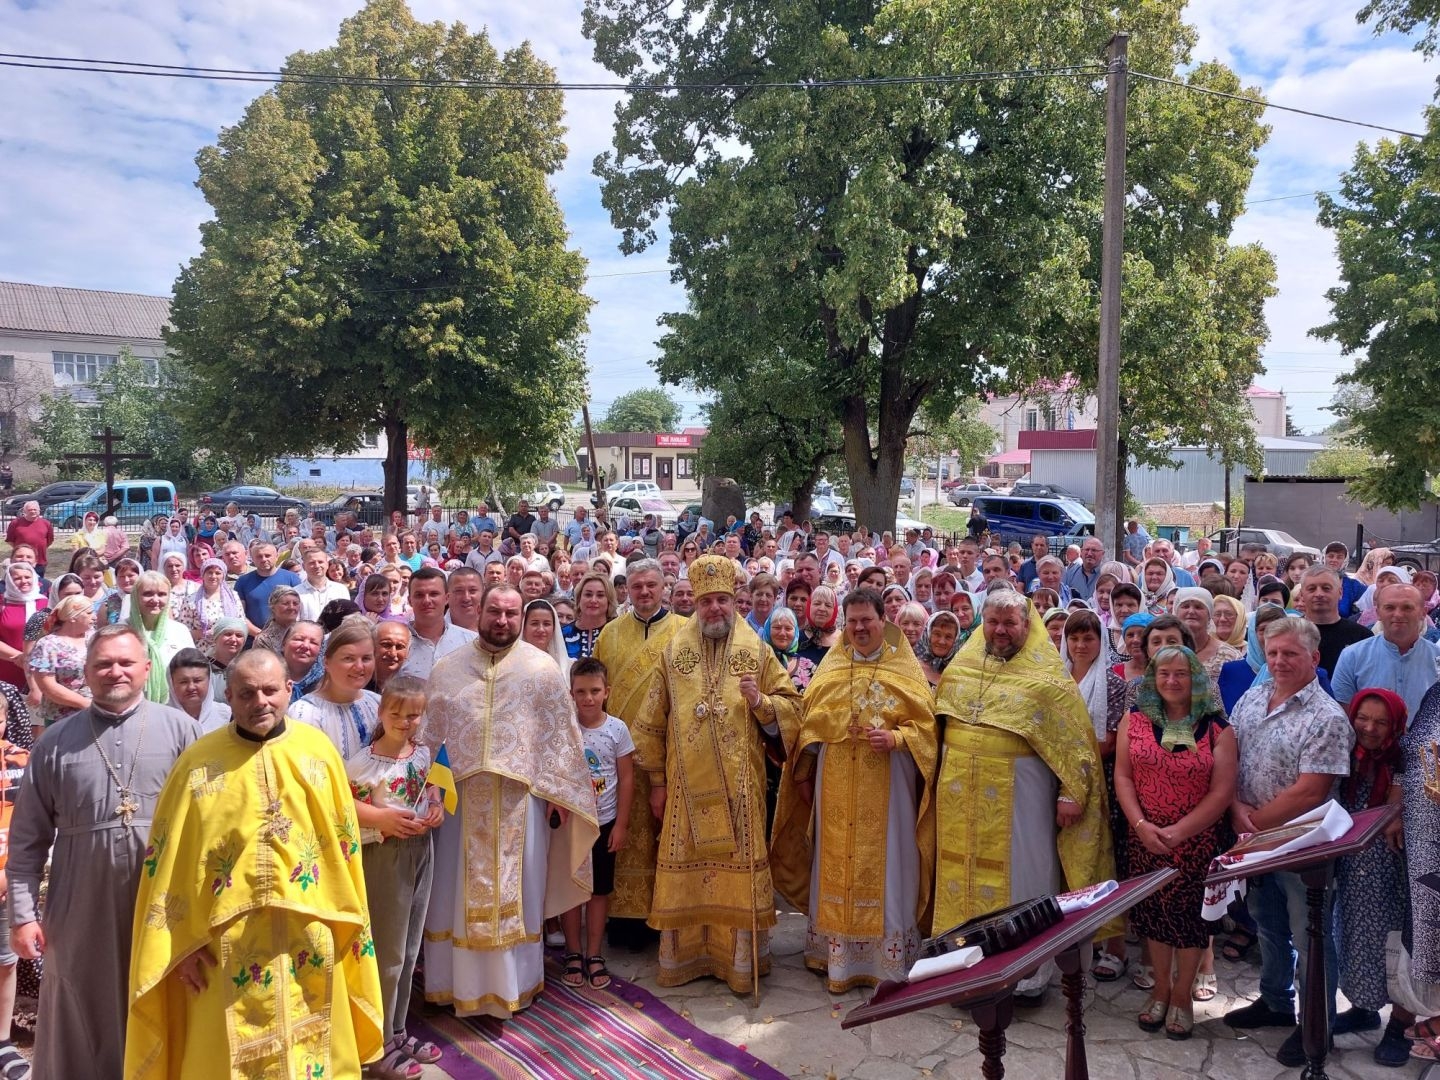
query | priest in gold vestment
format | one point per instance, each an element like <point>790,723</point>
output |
<point>715,695</point>
<point>854,842</point>
<point>1021,809</point>
<point>503,711</point>
<point>629,647</point>
<point>252,951</point>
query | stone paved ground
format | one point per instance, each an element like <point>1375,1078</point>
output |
<point>797,1029</point>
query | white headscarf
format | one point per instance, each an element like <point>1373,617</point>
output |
<point>32,599</point>
<point>557,645</point>
<point>1092,687</point>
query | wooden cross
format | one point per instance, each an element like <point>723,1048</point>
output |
<point>109,457</point>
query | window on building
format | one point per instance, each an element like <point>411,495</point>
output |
<point>7,368</point>
<point>641,467</point>
<point>83,369</point>
<point>370,440</point>
<point>685,466</point>
<point>1032,419</point>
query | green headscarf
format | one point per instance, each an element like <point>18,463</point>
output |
<point>1203,703</point>
<point>157,686</point>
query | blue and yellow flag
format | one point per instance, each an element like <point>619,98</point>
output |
<point>444,779</point>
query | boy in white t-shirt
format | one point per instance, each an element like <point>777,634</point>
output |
<point>608,753</point>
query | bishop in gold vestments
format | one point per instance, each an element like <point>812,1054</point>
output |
<point>858,855</point>
<point>505,715</point>
<point>698,737</point>
<point>1019,750</point>
<point>629,647</point>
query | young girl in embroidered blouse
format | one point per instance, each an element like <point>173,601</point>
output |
<point>397,809</point>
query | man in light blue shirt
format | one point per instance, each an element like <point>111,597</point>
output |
<point>574,527</point>
<point>1134,544</point>
<point>1081,575</point>
<point>1398,659</point>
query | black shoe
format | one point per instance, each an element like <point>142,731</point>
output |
<point>1355,1019</point>
<point>1292,1051</point>
<point>1393,1050</point>
<point>1257,1015</point>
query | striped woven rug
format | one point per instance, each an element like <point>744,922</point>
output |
<point>620,1032</point>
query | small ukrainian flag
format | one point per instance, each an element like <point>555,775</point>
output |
<point>444,779</point>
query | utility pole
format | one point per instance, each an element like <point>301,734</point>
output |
<point>594,460</point>
<point>1109,504</point>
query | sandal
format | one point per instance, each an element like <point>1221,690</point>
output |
<point>1426,1048</point>
<point>1108,968</point>
<point>13,1065</point>
<point>1424,1029</point>
<point>1238,945</point>
<point>597,973</point>
<point>1152,1017</point>
<point>1204,987</point>
<point>574,974</point>
<point>1144,977</point>
<point>1179,1023</point>
<point>394,1066</point>
<point>426,1053</point>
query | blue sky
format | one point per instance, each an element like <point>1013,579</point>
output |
<point>99,170</point>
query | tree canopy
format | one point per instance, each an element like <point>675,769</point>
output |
<point>1386,312</point>
<point>388,255</point>
<point>924,242</point>
<point>651,409</point>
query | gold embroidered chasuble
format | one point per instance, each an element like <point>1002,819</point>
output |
<point>997,711</point>
<point>508,724</point>
<point>255,853</point>
<point>631,652</point>
<point>695,733</point>
<point>846,698</point>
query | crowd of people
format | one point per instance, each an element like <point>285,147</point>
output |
<point>295,764</point>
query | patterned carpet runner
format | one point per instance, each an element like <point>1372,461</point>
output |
<point>619,1032</point>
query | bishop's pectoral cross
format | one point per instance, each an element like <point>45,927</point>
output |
<point>128,807</point>
<point>976,708</point>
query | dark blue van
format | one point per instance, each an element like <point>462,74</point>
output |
<point>1022,518</point>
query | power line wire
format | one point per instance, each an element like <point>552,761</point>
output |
<point>1272,105</point>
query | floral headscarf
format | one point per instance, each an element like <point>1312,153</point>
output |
<point>1154,602</point>
<point>1178,734</point>
<point>1377,766</point>
<point>926,654</point>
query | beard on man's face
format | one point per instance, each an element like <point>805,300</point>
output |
<point>498,636</point>
<point>719,628</point>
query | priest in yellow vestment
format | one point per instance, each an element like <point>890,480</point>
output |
<point>252,951</point>
<point>854,842</point>
<point>629,647</point>
<point>527,816</point>
<point>698,737</point>
<point>1020,805</point>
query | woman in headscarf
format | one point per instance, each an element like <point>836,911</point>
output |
<point>1371,886</point>
<point>894,597</point>
<point>163,638</point>
<point>172,539</point>
<point>1135,664</point>
<point>1369,603</point>
<point>374,597</point>
<point>117,605</point>
<point>1110,576</point>
<point>922,587</point>
<point>822,616</point>
<point>938,645</point>
<point>195,556</point>
<point>57,660</point>
<point>22,600</point>
<point>172,565</point>
<point>1195,607</point>
<point>1125,600</point>
<point>37,626</point>
<point>301,650</point>
<point>212,601</point>
<point>1157,582</point>
<point>782,634</point>
<point>963,605</point>
<point>1084,654</point>
<point>540,626</point>
<point>1175,764</point>
<point>1375,559</point>
<point>1230,621</point>
<point>89,537</point>
<point>284,613</point>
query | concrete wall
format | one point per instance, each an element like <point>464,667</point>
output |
<point>1319,511</point>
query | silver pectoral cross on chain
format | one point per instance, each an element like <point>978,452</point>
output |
<point>127,808</point>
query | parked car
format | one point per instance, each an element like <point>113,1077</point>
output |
<point>640,489</point>
<point>1019,518</point>
<point>253,499</point>
<point>1031,490</point>
<point>1279,542</point>
<point>637,508</point>
<point>548,494</point>
<point>138,501</point>
<point>1417,556</point>
<point>368,506</point>
<point>907,487</point>
<point>965,494</point>
<point>49,495</point>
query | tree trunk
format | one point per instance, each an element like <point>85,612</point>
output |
<point>239,474</point>
<point>1122,462</point>
<point>874,472</point>
<point>801,495</point>
<point>397,464</point>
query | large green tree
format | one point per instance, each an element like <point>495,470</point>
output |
<point>388,254</point>
<point>907,241</point>
<point>651,409</point>
<point>1386,312</point>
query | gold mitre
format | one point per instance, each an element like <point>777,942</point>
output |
<point>712,574</point>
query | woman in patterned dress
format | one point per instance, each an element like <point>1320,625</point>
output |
<point>596,606</point>
<point>1371,887</point>
<point>1175,762</point>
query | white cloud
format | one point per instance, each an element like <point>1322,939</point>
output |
<point>101,168</point>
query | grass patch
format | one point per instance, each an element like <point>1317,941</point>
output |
<point>946,518</point>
